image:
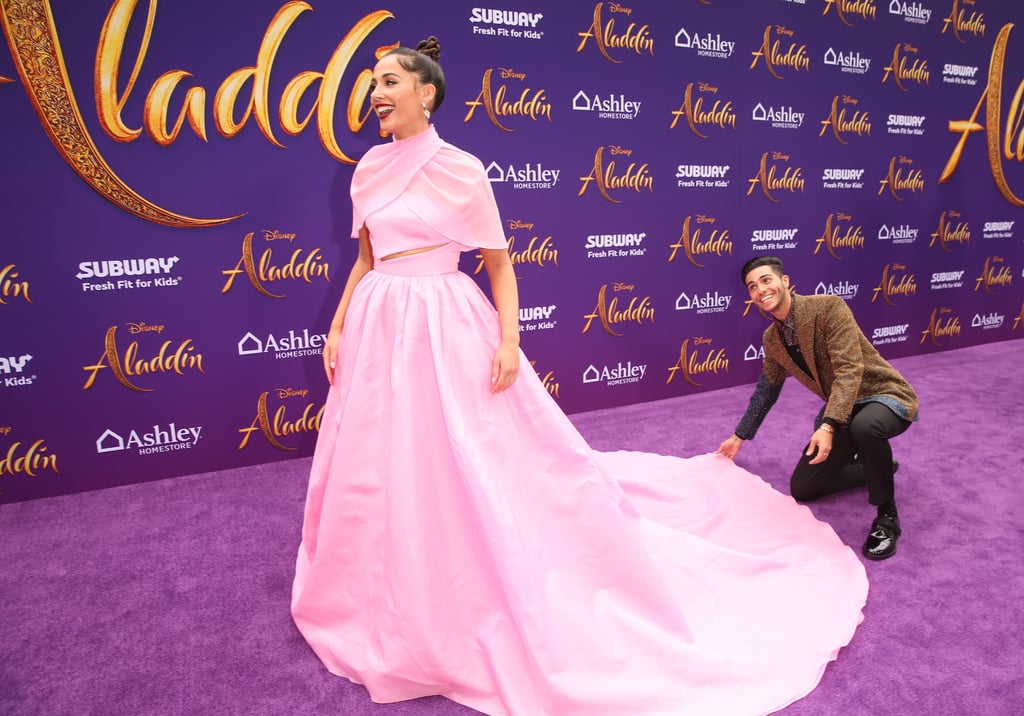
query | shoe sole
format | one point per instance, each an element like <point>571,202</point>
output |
<point>873,558</point>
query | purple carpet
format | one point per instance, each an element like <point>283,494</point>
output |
<point>172,597</point>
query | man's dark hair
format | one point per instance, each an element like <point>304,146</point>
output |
<point>758,262</point>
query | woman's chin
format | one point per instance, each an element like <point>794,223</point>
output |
<point>389,127</point>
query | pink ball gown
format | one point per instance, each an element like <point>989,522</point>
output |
<point>471,544</point>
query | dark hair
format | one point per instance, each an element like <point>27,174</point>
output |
<point>758,262</point>
<point>422,62</point>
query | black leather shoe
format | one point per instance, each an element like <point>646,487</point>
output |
<point>881,541</point>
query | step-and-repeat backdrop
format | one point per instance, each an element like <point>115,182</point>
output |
<point>176,215</point>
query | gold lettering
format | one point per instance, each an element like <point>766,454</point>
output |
<point>31,463</point>
<point>765,51</point>
<point>859,123</point>
<point>991,97</point>
<point>37,53</point>
<point>256,77</point>
<point>596,175</point>
<point>280,426</point>
<point>721,113</point>
<point>718,243</point>
<point>135,328</point>
<point>918,72</point>
<point>609,313</point>
<point>167,360</point>
<point>975,24</point>
<point>634,38</point>
<point>795,57</point>
<point>11,287</point>
<point>791,180</point>
<point>889,286</point>
<point>945,234</point>
<point>308,422</point>
<point>692,365</point>
<point>895,180</point>
<point>156,109</point>
<point>262,424</point>
<point>600,312</point>
<point>113,35</point>
<point>258,104</point>
<point>636,177</point>
<point>550,384</point>
<point>994,273</point>
<point>864,8</point>
<point>298,267</point>
<point>109,103</point>
<point>535,253</point>
<point>830,238</point>
<point>939,327</point>
<point>538,252</point>
<point>330,83</point>
<point>356,99</point>
<point>495,105</point>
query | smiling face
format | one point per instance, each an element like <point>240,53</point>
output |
<point>398,99</point>
<point>769,291</point>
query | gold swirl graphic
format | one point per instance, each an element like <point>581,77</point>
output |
<point>993,109</point>
<point>35,47</point>
<point>110,346</point>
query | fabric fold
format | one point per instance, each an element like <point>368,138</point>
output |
<point>446,187</point>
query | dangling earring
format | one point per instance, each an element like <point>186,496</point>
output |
<point>426,112</point>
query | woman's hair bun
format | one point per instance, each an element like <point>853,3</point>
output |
<point>431,48</point>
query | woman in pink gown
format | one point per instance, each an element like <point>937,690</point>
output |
<point>460,536</point>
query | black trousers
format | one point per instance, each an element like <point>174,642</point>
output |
<point>866,436</point>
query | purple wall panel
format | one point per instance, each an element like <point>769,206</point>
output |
<point>640,153</point>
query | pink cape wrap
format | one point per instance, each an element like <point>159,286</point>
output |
<point>445,187</point>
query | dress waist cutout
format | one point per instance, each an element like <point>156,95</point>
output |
<point>443,259</point>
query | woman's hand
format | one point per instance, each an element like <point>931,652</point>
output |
<point>360,267</point>
<point>505,367</point>
<point>331,353</point>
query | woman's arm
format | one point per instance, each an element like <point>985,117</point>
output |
<point>505,367</point>
<point>361,266</point>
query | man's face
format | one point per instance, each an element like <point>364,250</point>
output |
<point>769,291</point>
